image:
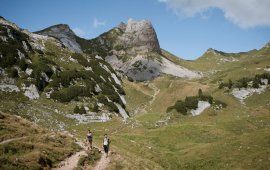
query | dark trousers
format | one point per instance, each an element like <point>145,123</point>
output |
<point>106,148</point>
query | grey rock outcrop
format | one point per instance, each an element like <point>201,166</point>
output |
<point>142,68</point>
<point>64,34</point>
<point>139,37</point>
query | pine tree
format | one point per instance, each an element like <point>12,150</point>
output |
<point>230,84</point>
<point>256,83</point>
<point>76,109</point>
<point>200,93</point>
<point>82,110</point>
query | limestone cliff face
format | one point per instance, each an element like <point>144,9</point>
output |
<point>139,37</point>
<point>64,34</point>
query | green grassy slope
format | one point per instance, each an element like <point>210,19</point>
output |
<point>236,137</point>
<point>24,145</point>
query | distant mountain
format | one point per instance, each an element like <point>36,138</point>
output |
<point>132,49</point>
<point>213,60</point>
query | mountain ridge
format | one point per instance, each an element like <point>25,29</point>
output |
<point>133,49</point>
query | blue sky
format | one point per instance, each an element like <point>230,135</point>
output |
<point>186,28</point>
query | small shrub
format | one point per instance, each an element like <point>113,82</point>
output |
<point>200,93</point>
<point>230,84</point>
<point>92,156</point>
<point>45,161</point>
<point>191,102</point>
<point>256,83</point>
<point>13,73</point>
<point>180,106</point>
<point>67,94</point>
<point>76,109</point>
<point>23,65</point>
<point>94,108</point>
<point>82,110</point>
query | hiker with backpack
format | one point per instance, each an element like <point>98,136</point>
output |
<point>90,139</point>
<point>106,143</point>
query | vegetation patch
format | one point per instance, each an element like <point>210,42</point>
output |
<point>12,47</point>
<point>245,81</point>
<point>191,103</point>
<point>92,156</point>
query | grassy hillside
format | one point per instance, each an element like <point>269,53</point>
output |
<point>236,137</point>
<point>24,145</point>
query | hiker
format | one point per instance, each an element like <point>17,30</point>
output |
<point>106,143</point>
<point>90,138</point>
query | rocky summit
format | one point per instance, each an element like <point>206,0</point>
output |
<point>140,36</point>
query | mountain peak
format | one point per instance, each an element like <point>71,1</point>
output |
<point>215,52</point>
<point>211,50</point>
<point>141,36</point>
<point>122,26</point>
<point>56,28</point>
<point>65,34</point>
<point>64,27</point>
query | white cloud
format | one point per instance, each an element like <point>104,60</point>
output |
<point>79,32</point>
<point>98,23</point>
<point>245,13</point>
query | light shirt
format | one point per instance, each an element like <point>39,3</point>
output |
<point>89,135</point>
<point>105,141</point>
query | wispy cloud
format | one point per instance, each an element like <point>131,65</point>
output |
<point>79,31</point>
<point>97,23</point>
<point>244,13</point>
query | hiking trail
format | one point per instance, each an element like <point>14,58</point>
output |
<point>71,162</point>
<point>156,90</point>
<point>11,140</point>
<point>102,163</point>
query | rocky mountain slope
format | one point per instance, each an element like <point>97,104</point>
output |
<point>132,49</point>
<point>63,33</point>
<point>38,67</point>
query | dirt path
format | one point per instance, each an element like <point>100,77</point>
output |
<point>102,163</point>
<point>156,92</point>
<point>10,140</point>
<point>170,85</point>
<point>71,162</point>
<point>142,109</point>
